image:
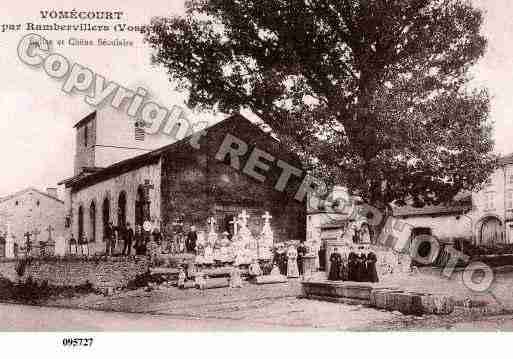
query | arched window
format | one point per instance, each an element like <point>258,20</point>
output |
<point>139,206</point>
<point>122,210</point>
<point>92,222</point>
<point>80,223</point>
<point>105,214</point>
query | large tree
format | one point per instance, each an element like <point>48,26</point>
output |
<point>373,94</point>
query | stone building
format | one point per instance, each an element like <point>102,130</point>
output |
<point>32,213</point>
<point>191,180</point>
<point>446,221</point>
<point>485,217</point>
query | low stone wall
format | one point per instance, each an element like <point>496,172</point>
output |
<point>73,271</point>
<point>378,296</point>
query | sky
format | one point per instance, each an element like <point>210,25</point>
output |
<point>37,118</point>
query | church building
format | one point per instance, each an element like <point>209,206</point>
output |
<point>227,168</point>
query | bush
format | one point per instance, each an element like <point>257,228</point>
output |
<point>31,292</point>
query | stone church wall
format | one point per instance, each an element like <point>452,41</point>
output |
<point>195,186</point>
<point>111,189</point>
<point>101,273</point>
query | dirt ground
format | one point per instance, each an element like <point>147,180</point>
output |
<point>278,304</point>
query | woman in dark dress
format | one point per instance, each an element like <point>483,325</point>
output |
<point>359,275</point>
<point>335,265</point>
<point>352,259</point>
<point>370,270</point>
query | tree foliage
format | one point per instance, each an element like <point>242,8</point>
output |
<point>372,94</point>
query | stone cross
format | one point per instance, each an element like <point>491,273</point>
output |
<point>50,230</point>
<point>234,222</point>
<point>244,218</point>
<point>267,217</point>
<point>212,222</point>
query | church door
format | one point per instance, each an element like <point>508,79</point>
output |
<point>491,232</point>
<point>122,210</point>
<point>105,215</point>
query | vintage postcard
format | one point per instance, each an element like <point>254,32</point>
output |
<point>256,165</point>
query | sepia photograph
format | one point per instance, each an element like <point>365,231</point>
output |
<point>256,166</point>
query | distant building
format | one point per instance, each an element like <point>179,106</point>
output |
<point>32,213</point>
<point>484,217</point>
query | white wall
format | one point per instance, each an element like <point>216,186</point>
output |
<point>111,188</point>
<point>443,226</point>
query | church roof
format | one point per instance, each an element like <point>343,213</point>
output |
<point>85,119</point>
<point>234,122</point>
<point>438,210</point>
<point>29,189</point>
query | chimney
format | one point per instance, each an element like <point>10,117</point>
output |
<point>52,191</point>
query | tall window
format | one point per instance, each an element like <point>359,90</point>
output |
<point>92,217</point>
<point>80,223</point>
<point>509,200</point>
<point>85,135</point>
<point>510,179</point>
<point>489,201</point>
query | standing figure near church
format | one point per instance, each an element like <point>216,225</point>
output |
<point>322,256</point>
<point>360,265</point>
<point>181,278</point>
<point>301,253</point>
<point>192,238</point>
<point>83,245</point>
<point>235,279</point>
<point>129,239</point>
<point>110,239</point>
<point>140,241</point>
<point>371,273</point>
<point>344,267</point>
<point>292,270</point>
<point>72,245</point>
<point>335,265</point>
<point>352,259</point>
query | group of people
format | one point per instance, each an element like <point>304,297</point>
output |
<point>139,239</point>
<point>124,236</point>
<point>357,266</point>
<point>289,261</point>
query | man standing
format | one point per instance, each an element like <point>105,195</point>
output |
<point>140,241</point>
<point>301,253</point>
<point>83,245</point>
<point>352,259</point>
<point>110,240</point>
<point>192,237</point>
<point>371,274</point>
<point>129,238</point>
<point>72,245</point>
